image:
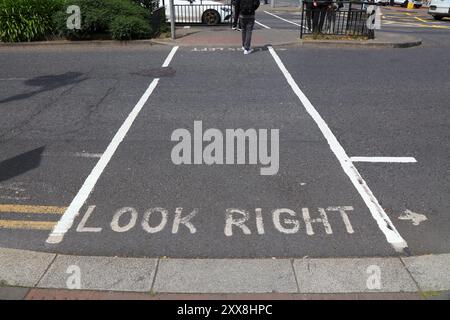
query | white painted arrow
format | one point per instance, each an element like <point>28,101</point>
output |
<point>416,218</point>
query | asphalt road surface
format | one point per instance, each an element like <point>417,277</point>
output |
<point>64,112</point>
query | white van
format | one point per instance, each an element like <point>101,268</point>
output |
<point>439,9</point>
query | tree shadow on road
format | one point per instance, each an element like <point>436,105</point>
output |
<point>47,83</point>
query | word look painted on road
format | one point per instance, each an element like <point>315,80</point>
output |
<point>236,221</point>
<point>235,147</point>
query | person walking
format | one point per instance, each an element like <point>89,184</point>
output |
<point>236,22</point>
<point>247,10</point>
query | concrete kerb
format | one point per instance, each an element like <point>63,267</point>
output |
<point>365,43</point>
<point>30,269</point>
<point>93,43</point>
<point>391,42</point>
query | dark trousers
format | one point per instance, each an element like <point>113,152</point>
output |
<point>247,23</point>
<point>318,17</point>
<point>236,18</point>
<point>309,9</point>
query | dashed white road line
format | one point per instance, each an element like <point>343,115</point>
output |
<point>288,21</point>
<point>66,221</point>
<point>262,25</point>
<point>384,159</point>
<point>384,222</point>
<point>73,154</point>
<point>170,57</point>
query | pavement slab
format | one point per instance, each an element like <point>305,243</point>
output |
<point>100,273</point>
<point>230,276</point>
<point>23,268</point>
<point>352,275</point>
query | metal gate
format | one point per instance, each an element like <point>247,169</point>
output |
<point>336,18</point>
<point>206,12</point>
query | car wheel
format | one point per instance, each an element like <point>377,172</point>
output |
<point>437,17</point>
<point>211,17</point>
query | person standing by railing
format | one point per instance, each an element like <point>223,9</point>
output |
<point>317,12</point>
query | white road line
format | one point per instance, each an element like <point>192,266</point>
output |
<point>87,155</point>
<point>378,213</point>
<point>384,159</point>
<point>288,21</point>
<point>169,57</point>
<point>262,25</point>
<point>66,221</point>
<point>73,154</point>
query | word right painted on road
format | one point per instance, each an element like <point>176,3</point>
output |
<point>237,221</point>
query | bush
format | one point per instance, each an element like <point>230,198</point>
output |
<point>127,28</point>
<point>27,20</point>
<point>100,17</point>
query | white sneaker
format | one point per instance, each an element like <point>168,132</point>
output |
<point>243,49</point>
<point>248,51</point>
<point>233,28</point>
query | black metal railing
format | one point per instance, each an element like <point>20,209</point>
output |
<point>197,11</point>
<point>158,21</point>
<point>337,18</point>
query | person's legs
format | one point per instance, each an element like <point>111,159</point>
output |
<point>235,18</point>
<point>308,13</point>
<point>250,22</point>
<point>323,14</point>
<point>243,22</point>
<point>315,12</point>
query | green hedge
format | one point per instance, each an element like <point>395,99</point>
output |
<point>31,20</point>
<point>127,28</point>
<point>27,20</point>
<point>118,19</point>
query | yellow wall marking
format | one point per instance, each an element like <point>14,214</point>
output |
<point>13,208</point>
<point>30,225</point>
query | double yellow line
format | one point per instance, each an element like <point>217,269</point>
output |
<point>428,24</point>
<point>27,209</point>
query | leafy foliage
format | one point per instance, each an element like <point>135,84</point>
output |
<point>127,28</point>
<point>100,17</point>
<point>27,20</point>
